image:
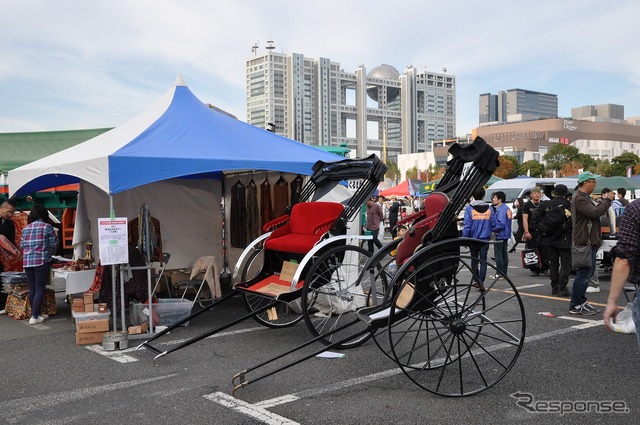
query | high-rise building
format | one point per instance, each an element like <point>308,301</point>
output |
<point>316,102</point>
<point>608,112</point>
<point>516,105</point>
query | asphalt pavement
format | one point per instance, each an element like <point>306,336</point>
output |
<point>571,369</point>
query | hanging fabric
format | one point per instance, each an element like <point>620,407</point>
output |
<point>296,188</point>
<point>144,233</point>
<point>253,213</point>
<point>238,216</point>
<point>265,202</point>
<point>280,197</point>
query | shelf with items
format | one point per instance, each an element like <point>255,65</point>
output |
<point>68,223</point>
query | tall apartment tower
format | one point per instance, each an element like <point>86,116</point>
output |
<point>316,102</point>
<point>516,105</point>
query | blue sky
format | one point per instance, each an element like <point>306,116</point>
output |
<point>86,64</point>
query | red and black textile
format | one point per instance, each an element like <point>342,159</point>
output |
<point>238,213</point>
<point>280,197</point>
<point>253,213</point>
<point>265,203</point>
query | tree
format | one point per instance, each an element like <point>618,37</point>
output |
<point>412,173</point>
<point>434,174</point>
<point>571,168</point>
<point>534,167</point>
<point>392,171</point>
<point>508,167</point>
<point>621,162</point>
<point>604,169</point>
<point>559,155</point>
<point>587,161</point>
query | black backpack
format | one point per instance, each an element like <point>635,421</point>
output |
<point>553,219</point>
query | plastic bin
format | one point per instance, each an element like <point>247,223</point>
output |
<point>92,315</point>
<point>169,311</point>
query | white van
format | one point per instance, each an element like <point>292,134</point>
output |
<point>521,188</point>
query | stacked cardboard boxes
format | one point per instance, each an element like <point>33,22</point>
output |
<point>91,320</point>
<point>90,331</point>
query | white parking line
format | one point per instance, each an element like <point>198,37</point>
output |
<point>117,355</point>
<point>251,410</point>
<point>535,285</point>
<point>121,356</point>
<point>14,409</point>
<point>255,410</point>
<point>586,323</point>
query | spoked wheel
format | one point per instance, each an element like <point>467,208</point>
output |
<point>449,337</point>
<point>286,314</point>
<point>333,291</point>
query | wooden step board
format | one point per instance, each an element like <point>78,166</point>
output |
<point>273,285</point>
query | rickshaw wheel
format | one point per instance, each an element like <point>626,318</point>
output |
<point>287,314</point>
<point>333,292</point>
<point>449,337</point>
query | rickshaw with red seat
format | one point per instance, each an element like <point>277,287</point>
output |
<point>311,246</point>
<point>447,336</point>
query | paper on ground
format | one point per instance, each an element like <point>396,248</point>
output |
<point>330,355</point>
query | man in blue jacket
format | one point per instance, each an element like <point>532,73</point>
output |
<point>502,229</point>
<point>478,218</point>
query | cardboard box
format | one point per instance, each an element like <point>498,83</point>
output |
<point>88,298</point>
<point>89,338</point>
<point>92,326</point>
<point>102,308</point>
<point>78,308</point>
<point>140,329</point>
<point>88,308</point>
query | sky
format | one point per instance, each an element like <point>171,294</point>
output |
<point>69,64</point>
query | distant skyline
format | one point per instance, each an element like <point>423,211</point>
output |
<point>68,65</point>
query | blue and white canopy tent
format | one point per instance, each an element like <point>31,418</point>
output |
<point>170,157</point>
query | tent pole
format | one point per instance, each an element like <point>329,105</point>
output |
<point>113,275</point>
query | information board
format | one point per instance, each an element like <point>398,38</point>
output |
<point>113,245</point>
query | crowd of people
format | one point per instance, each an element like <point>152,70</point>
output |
<point>560,230</point>
<point>383,214</point>
<point>550,227</point>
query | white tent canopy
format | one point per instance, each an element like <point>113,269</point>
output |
<point>170,157</point>
<point>178,136</point>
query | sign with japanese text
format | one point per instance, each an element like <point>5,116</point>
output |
<point>113,246</point>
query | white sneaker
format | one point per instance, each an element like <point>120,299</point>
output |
<point>35,321</point>
<point>3,312</point>
<point>44,316</point>
<point>593,289</point>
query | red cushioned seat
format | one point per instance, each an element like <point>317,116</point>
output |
<point>307,223</point>
<point>434,204</point>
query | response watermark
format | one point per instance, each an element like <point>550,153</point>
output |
<point>529,403</point>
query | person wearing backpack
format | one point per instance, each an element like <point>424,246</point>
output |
<point>530,218</point>
<point>554,227</point>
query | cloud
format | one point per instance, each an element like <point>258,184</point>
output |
<point>83,64</point>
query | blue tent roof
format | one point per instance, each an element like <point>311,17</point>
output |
<point>179,136</point>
